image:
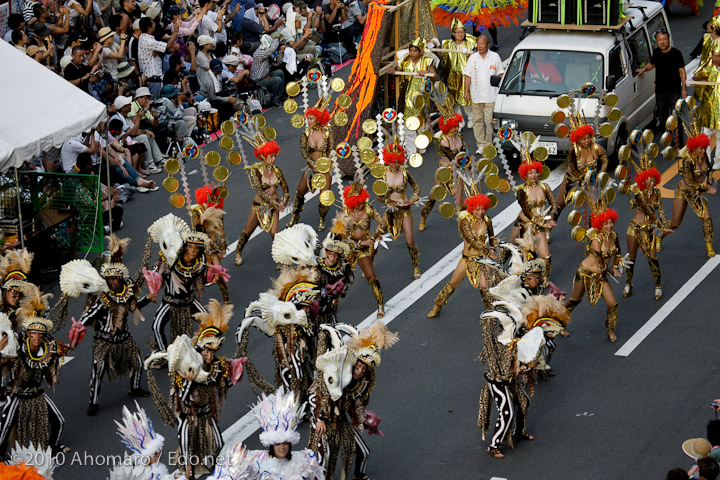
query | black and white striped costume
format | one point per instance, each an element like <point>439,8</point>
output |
<point>180,300</point>
<point>29,409</point>
<point>114,349</point>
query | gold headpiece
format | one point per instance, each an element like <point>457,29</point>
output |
<point>213,325</point>
<point>419,43</point>
<point>322,102</point>
<point>114,269</point>
<point>456,24</point>
<point>715,23</point>
<point>33,323</point>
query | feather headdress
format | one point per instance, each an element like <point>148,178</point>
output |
<point>14,269</point>
<point>279,415</point>
<point>545,311</point>
<point>41,460</point>
<point>368,343</point>
<point>117,247</point>
<point>238,463</point>
<point>137,433</point>
<point>296,285</point>
<point>213,325</point>
<point>6,327</point>
<point>34,303</point>
<point>212,220</point>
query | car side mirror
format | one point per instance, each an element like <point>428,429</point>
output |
<point>610,82</point>
<point>495,80</point>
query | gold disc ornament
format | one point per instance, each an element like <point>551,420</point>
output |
<point>415,160</point>
<point>666,139</point>
<point>380,187</point>
<point>177,200</point>
<point>234,158</point>
<point>562,130</point>
<point>377,170</point>
<point>493,200</point>
<point>503,186</point>
<point>323,164</point>
<point>170,184</point>
<point>327,198</point>
<point>564,101</point>
<point>290,106</point>
<point>226,143</point>
<point>259,120</point>
<point>337,84</point>
<point>221,173</point>
<point>422,141</point>
<point>292,89</point>
<point>340,118</point>
<point>412,123</point>
<point>369,127</point>
<point>438,193</point>
<point>610,194</point>
<point>270,133</point>
<point>611,100</point>
<point>578,233</point>
<point>574,218</point>
<point>541,153</point>
<point>669,153</point>
<point>489,152</point>
<point>492,181</point>
<point>558,116</point>
<point>297,121</point>
<point>343,101</point>
<point>443,174</point>
<point>621,172</point>
<point>606,129</point>
<point>172,166</point>
<point>212,159</point>
<point>614,115</point>
<point>228,127</point>
<point>671,123</point>
<point>447,209</point>
<point>318,181</point>
<point>364,143</point>
<point>545,173</point>
<point>653,150</point>
<point>367,156</point>
<point>624,153</point>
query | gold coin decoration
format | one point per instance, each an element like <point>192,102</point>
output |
<point>443,174</point>
<point>666,139</point>
<point>635,136</point>
<point>377,170</point>
<point>648,136</point>
<point>690,102</point>
<point>653,150</point>
<point>503,186</point>
<point>528,137</point>
<point>418,102</point>
<point>562,130</point>
<point>228,127</point>
<point>259,120</point>
<point>223,192</point>
<point>172,166</point>
<point>696,113</point>
<point>493,200</point>
<point>337,84</point>
<point>413,123</point>
<point>170,184</point>
<point>292,89</point>
<point>241,118</point>
<point>270,133</point>
<point>483,164</point>
<point>327,198</point>
<point>589,176</point>
<point>369,126</point>
<point>624,152</point>
<point>364,143</point>
<point>680,105</point>
<point>297,121</point>
<point>447,209</point>
<point>442,89</point>
<point>493,169</point>
<point>578,233</point>
<point>541,153</point>
<point>610,194</point>
<point>492,181</point>
<point>489,152</point>
<point>380,187</point>
<point>564,101</point>
<point>438,193</point>
<point>606,129</point>
<point>177,200</point>
<point>624,187</point>
<point>422,142</point>
<point>340,119</point>
<point>603,178</point>
<point>344,101</point>
<point>415,160</point>
<point>558,116</point>
<point>669,153</point>
<point>221,173</point>
<point>226,143</point>
<point>614,114</point>
<point>611,100</point>
<point>545,173</point>
<point>290,106</point>
<point>234,158</point>
<point>323,164</point>
<point>578,198</point>
<point>671,123</point>
<point>318,181</point>
<point>367,156</point>
<point>574,218</point>
<point>212,159</point>
<point>621,172</point>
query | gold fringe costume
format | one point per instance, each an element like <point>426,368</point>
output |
<point>533,210</point>
<point>710,109</point>
<point>454,63</point>
<point>576,170</point>
<point>697,182</point>
<point>414,85</point>
<point>395,213</point>
<point>644,232</point>
<point>268,203</point>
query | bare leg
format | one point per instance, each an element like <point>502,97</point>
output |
<point>679,207</point>
<point>612,309</point>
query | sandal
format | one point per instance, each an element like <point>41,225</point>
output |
<point>495,453</point>
<point>524,436</point>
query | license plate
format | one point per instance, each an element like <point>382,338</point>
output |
<point>551,146</point>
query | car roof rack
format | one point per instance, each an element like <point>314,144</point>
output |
<point>576,28</point>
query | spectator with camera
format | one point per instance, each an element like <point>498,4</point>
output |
<point>187,27</point>
<point>112,53</point>
<point>78,73</point>
<point>210,88</point>
<point>149,61</point>
<point>335,15</point>
<point>300,40</point>
<point>131,126</point>
<point>255,23</point>
<point>235,76</point>
<point>262,73</point>
<point>171,112</point>
<point>357,14</point>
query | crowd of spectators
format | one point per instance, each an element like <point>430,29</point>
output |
<point>171,72</point>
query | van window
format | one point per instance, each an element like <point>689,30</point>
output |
<point>639,50</point>
<point>653,25</point>
<point>543,72</point>
<point>616,66</point>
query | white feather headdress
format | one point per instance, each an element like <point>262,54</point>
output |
<point>33,456</point>
<point>138,434</point>
<point>279,415</point>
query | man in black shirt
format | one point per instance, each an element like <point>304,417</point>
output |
<point>334,15</point>
<point>80,74</point>
<point>669,78</point>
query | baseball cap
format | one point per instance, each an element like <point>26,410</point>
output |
<point>216,65</point>
<point>121,101</point>
<point>176,10</point>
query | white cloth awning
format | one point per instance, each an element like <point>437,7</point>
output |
<point>39,108</point>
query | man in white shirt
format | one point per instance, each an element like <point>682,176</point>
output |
<point>479,68</point>
<point>74,147</point>
<point>149,60</point>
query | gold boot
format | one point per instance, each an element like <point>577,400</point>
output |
<point>377,292</point>
<point>297,209</point>
<point>323,213</point>
<point>708,234</point>
<point>629,267</point>
<point>571,303</point>
<point>244,237</point>
<point>655,270</point>
<point>610,322</point>
<point>415,257</point>
<point>222,285</point>
<point>485,294</point>
<point>425,213</point>
<point>441,300</point>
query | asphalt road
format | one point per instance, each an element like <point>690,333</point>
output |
<point>604,416</point>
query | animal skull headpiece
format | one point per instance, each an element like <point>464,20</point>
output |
<point>168,232</point>
<point>78,277</point>
<point>337,366</point>
<point>295,246</point>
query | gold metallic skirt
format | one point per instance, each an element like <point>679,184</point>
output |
<point>395,218</point>
<point>695,199</point>
<point>593,283</point>
<point>264,216</point>
<point>643,233</point>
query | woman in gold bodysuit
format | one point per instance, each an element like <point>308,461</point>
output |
<point>533,196</point>
<point>398,215</point>
<point>315,142</point>
<point>695,181</point>
<point>450,143</point>
<point>359,214</point>
<point>602,257</point>
<point>584,155</point>
<point>463,45</point>
<point>649,214</point>
<point>266,179</point>
<point>476,230</point>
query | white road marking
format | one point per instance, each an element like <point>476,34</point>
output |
<point>308,196</point>
<point>668,307</point>
<point>247,424</point>
<point>66,360</point>
<point>498,478</point>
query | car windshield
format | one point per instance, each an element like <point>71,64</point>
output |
<point>546,72</point>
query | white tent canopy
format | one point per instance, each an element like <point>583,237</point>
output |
<point>39,109</point>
